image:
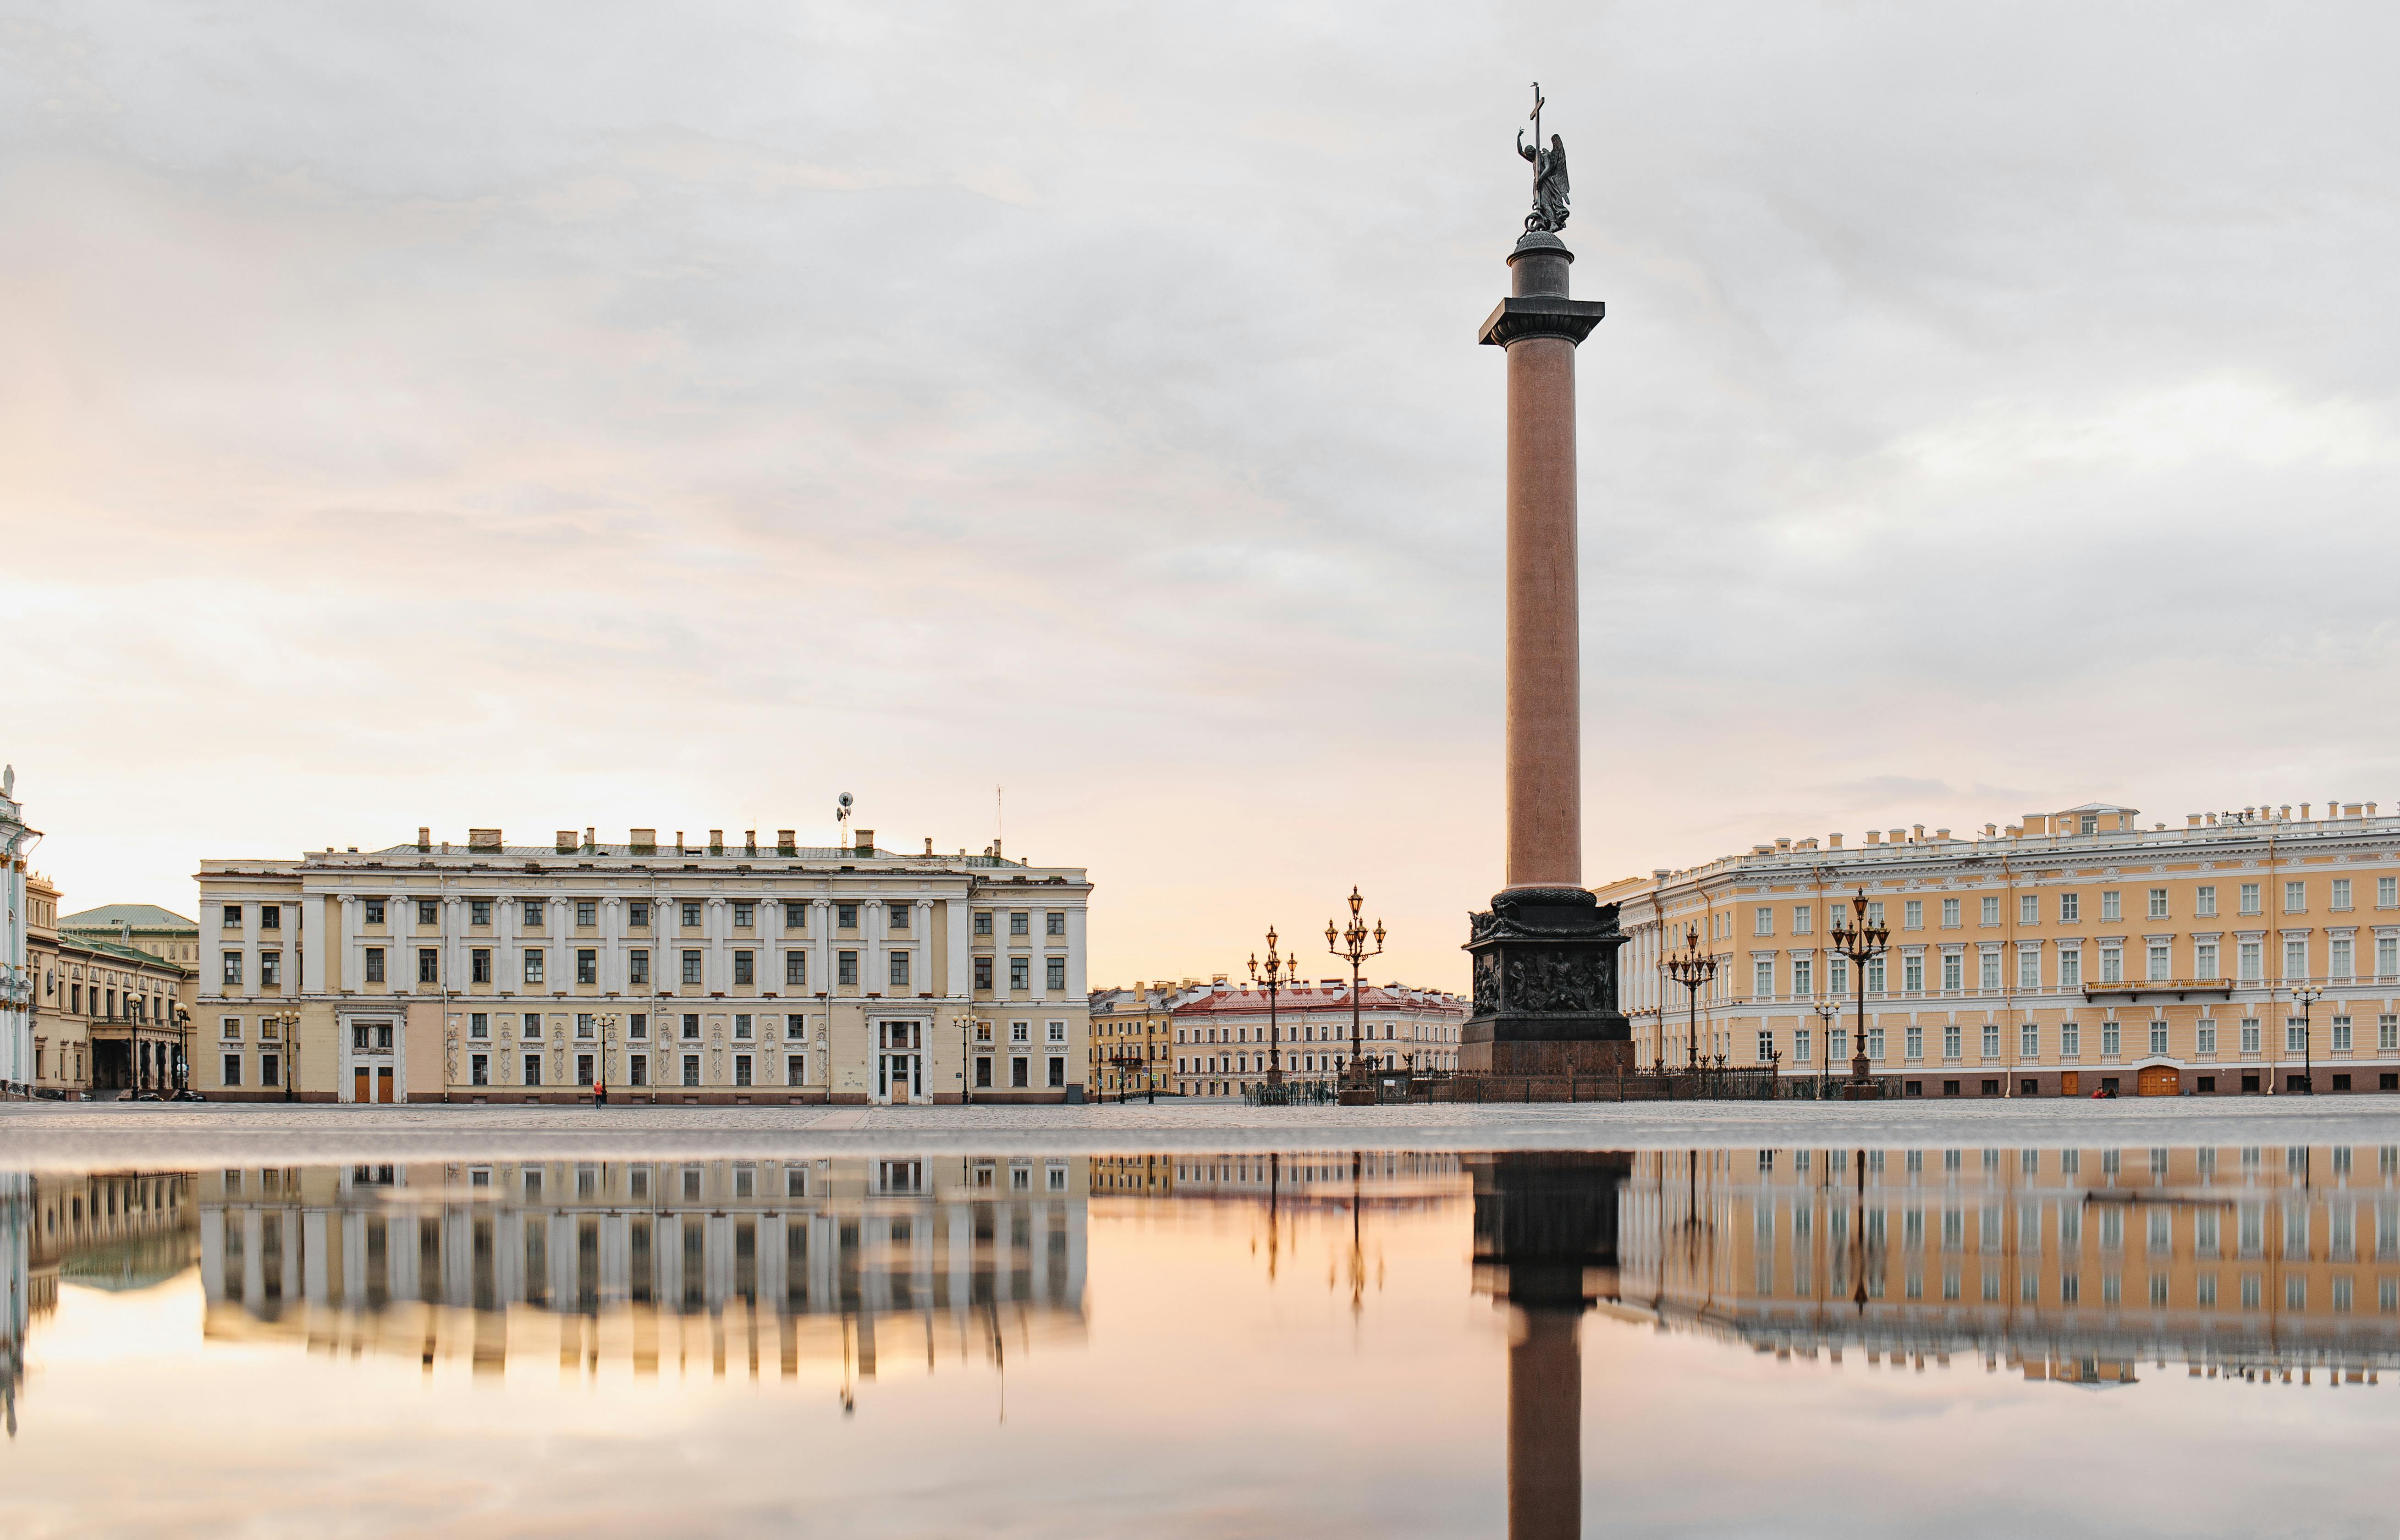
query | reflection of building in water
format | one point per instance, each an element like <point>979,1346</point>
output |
<point>1545,1233</point>
<point>637,1262</point>
<point>125,1230</point>
<point>2069,1264</point>
<point>1380,1178</point>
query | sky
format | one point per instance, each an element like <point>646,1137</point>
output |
<point>551,416</point>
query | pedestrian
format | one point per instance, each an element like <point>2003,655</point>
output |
<point>599,1093</point>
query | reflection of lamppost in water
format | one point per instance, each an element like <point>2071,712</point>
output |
<point>1693,969</point>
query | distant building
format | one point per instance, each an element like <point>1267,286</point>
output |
<point>1133,1035</point>
<point>1222,1037</point>
<point>2070,953</point>
<point>162,932</point>
<point>107,1017</point>
<point>689,972</point>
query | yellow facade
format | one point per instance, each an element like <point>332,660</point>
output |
<point>1133,1033</point>
<point>2071,952</point>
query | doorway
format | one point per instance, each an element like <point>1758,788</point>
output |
<point>2159,1080</point>
<point>899,1067</point>
<point>372,1084</point>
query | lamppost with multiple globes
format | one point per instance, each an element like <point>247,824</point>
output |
<point>1862,943</point>
<point>1273,977</point>
<point>1828,1010</point>
<point>1693,969</point>
<point>608,1025</point>
<point>290,1022</point>
<point>2308,995</point>
<point>1349,944</point>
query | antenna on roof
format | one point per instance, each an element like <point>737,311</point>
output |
<point>841,806</point>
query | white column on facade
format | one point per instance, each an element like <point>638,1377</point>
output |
<point>872,972</point>
<point>920,945</point>
<point>507,969</point>
<point>1076,987</point>
<point>611,944</point>
<point>960,940</point>
<point>346,939</point>
<point>311,961</point>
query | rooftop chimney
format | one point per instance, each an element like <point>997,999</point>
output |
<point>591,838</point>
<point>424,838</point>
<point>716,841</point>
<point>644,841</point>
<point>1833,842</point>
<point>787,842</point>
<point>566,845</point>
<point>482,839</point>
<point>865,845</point>
<point>1874,836</point>
<point>749,841</point>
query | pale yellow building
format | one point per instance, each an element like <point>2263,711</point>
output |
<point>107,1017</point>
<point>1133,1035</point>
<point>714,971</point>
<point>2068,953</point>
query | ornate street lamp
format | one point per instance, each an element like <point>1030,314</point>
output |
<point>1828,1010</point>
<point>1862,943</point>
<point>1349,944</point>
<point>1278,972</point>
<point>1693,969</point>
<point>2308,995</point>
<point>966,1058</point>
<point>607,1035</point>
<point>290,1022</point>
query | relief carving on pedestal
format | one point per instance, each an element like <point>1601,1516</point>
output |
<point>1550,980</point>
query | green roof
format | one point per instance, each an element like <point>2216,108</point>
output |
<point>142,916</point>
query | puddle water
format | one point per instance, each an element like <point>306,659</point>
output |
<point>1877,1342</point>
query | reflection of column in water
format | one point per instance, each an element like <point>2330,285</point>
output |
<point>1546,1243</point>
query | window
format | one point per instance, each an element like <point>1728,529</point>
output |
<point>2203,960</point>
<point>1912,914</point>
<point>1762,921</point>
<point>2028,908</point>
<point>270,971</point>
<point>637,1027</point>
<point>1874,981</point>
<point>1950,914</point>
<point>2158,963</point>
<point>2112,964</point>
<point>1766,1045</point>
<point>587,965</point>
<point>2070,908</point>
<point>899,970</point>
<point>2296,1034</point>
<point>744,915</point>
<point>637,1072</point>
<point>2341,1034</point>
<point>1054,973</point>
<point>692,1070</point>
<point>2339,899</point>
<point>1057,1072</point>
<point>897,915</point>
<point>2250,904</point>
<point>1991,911</point>
<point>1803,1044</point>
<point>533,911</point>
<point>2296,958</point>
<point>2387,1033</point>
<point>2387,956</point>
<point>2296,897</point>
<point>529,1025</point>
<point>2158,1036</point>
<point>374,965</point>
<point>1953,966</point>
<point>478,964</point>
<point>796,968</point>
<point>690,916</point>
<point>533,1073</point>
<point>2112,1038</point>
<point>1804,976</point>
<point>2070,1039</point>
<point>1054,923</point>
<point>638,965</point>
<point>1950,1040</point>
<point>232,1074</point>
<point>2204,1036</point>
<point>584,1026</point>
<point>638,915</point>
<point>983,973</point>
<point>374,911</point>
<point>1803,919</point>
<point>1990,980</point>
<point>983,922</point>
<point>692,967</point>
<point>2387,892</point>
<point>1913,1042</point>
<point>1912,973</point>
<point>532,965</point>
<point>2338,957</point>
<point>2252,955</point>
<point>1020,1031</point>
<point>479,911</point>
<point>845,917</point>
<point>691,1026</point>
<point>429,966</point>
<point>795,916</point>
<point>745,969</point>
<point>741,1077</point>
<point>2070,968</point>
<point>232,917</point>
<point>479,1069</point>
<point>2029,1042</point>
<point>2250,1034</point>
<point>1020,972</point>
<point>1018,923</point>
<point>2112,906</point>
<point>479,1025</point>
<point>845,968</point>
<point>1991,1040</point>
<point>2029,968</point>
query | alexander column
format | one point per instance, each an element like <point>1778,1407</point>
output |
<point>1545,952</point>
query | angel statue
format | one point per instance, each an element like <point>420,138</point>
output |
<point>1549,182</point>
